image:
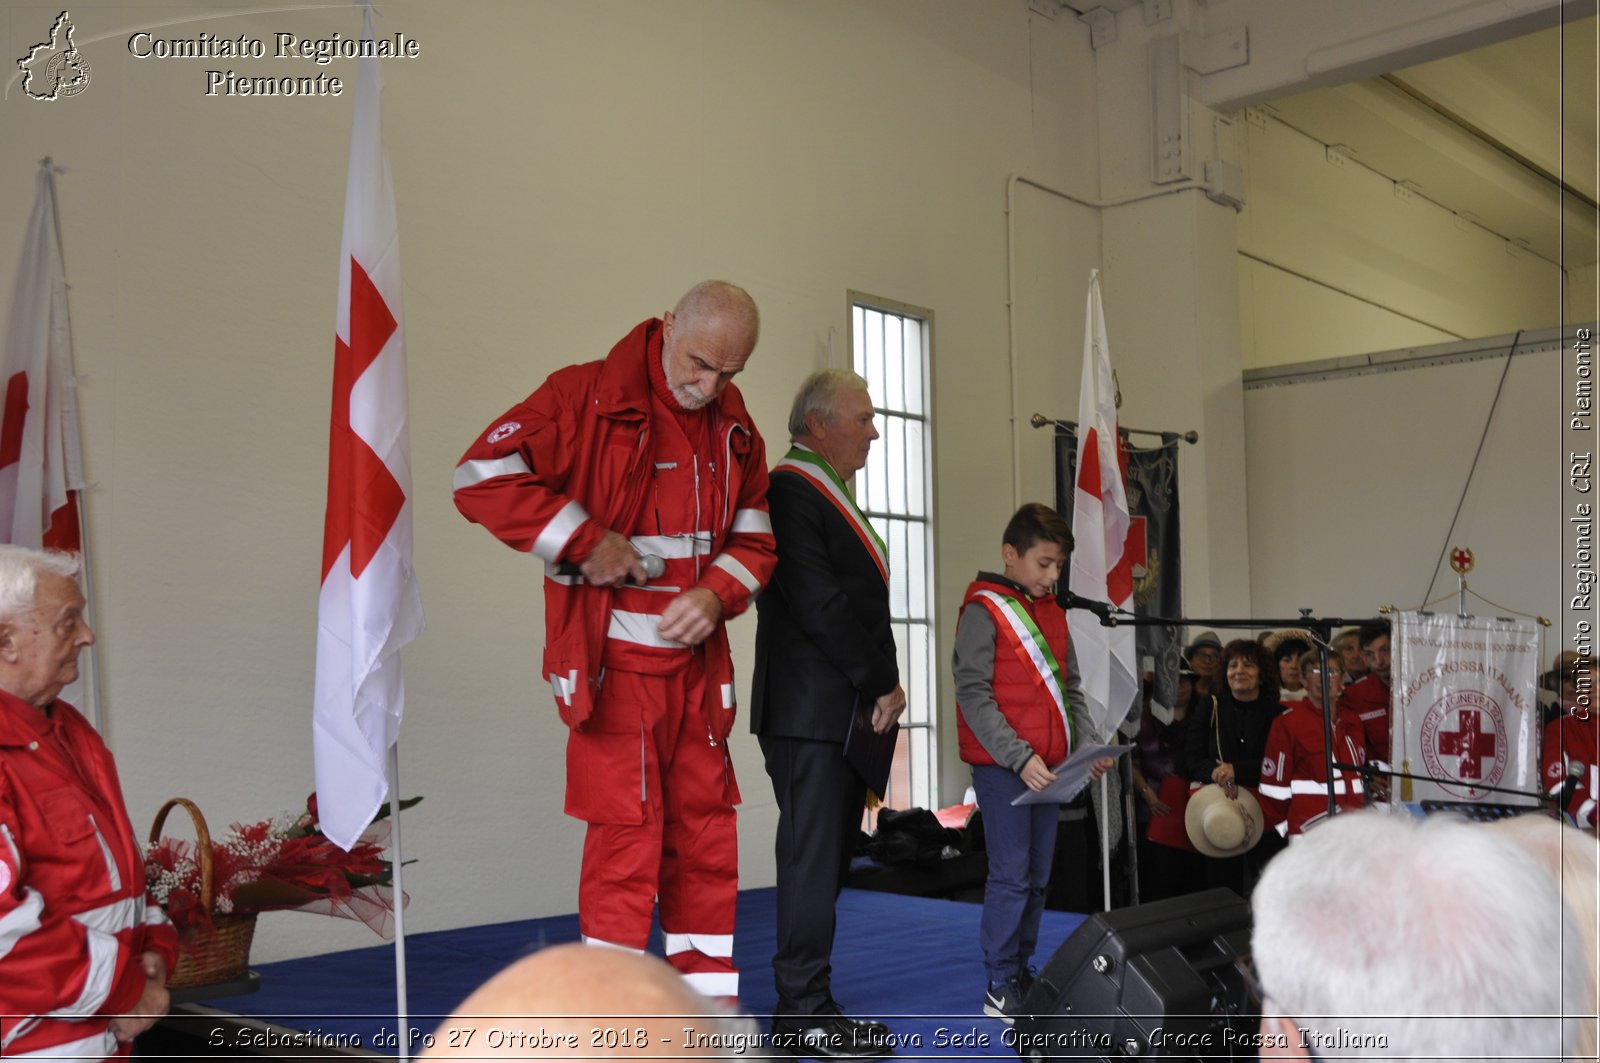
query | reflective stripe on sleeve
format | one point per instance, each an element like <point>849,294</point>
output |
<point>562,527</point>
<point>751,522</point>
<point>601,943</point>
<point>733,568</point>
<point>469,473</point>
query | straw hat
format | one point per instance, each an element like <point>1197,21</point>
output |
<point>1222,827</point>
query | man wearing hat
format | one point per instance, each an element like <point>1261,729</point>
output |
<point>1572,741</point>
<point>1202,656</point>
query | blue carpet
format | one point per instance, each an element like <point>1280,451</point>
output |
<point>909,961</point>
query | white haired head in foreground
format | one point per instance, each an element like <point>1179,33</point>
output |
<point>1381,936</point>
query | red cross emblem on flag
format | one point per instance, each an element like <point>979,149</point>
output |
<point>1461,560</point>
<point>1470,743</point>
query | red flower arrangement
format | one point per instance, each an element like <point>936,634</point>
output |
<point>283,863</point>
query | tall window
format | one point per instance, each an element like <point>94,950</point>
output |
<point>891,343</point>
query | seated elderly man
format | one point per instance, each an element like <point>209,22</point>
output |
<point>83,956</point>
<point>1383,936</point>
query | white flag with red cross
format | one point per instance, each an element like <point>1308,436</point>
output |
<point>369,606</point>
<point>1102,569</point>
<point>41,463</point>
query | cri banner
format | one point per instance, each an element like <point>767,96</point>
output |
<point>1465,714</point>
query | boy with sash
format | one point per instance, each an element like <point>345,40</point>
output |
<point>824,652</point>
<point>1020,708</point>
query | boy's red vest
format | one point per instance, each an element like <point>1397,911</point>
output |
<point>1026,705</point>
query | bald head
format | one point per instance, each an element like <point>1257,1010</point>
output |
<point>555,1003</point>
<point>719,300</point>
<point>706,340</point>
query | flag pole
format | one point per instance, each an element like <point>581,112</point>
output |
<point>402,1009</point>
<point>1105,839</point>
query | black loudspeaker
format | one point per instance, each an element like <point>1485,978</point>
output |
<point>1156,981</point>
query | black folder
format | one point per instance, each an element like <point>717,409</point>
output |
<point>870,753</point>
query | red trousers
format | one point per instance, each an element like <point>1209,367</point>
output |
<point>658,793</point>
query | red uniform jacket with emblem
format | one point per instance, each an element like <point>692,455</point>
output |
<point>1572,754</point>
<point>579,457</point>
<point>1368,700</point>
<point>1294,770</point>
<point>1027,707</point>
<point>74,919</point>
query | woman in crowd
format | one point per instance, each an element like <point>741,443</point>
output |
<point>1226,742</point>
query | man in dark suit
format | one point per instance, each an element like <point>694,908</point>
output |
<point>824,649</point>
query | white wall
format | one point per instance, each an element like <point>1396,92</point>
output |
<point>563,169</point>
<point>1354,481</point>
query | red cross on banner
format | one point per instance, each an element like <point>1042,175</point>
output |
<point>1470,744</point>
<point>363,496</point>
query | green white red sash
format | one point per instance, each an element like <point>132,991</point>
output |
<point>1028,643</point>
<point>805,462</point>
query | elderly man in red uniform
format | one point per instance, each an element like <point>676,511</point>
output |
<point>641,482</point>
<point>84,955</point>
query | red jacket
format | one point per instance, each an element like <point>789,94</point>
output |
<point>1018,693</point>
<point>1368,699</point>
<point>1294,770</point>
<point>574,460</point>
<point>1572,751</point>
<point>74,919</point>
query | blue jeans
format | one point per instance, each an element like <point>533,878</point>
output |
<point>1021,841</point>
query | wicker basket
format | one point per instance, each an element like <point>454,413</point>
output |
<point>224,953</point>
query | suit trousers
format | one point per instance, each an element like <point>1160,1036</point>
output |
<point>820,798</point>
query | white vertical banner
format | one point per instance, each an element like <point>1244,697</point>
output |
<point>1465,710</point>
<point>1107,657</point>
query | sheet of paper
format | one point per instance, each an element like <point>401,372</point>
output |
<point>1072,775</point>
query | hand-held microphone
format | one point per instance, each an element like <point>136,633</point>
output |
<point>654,568</point>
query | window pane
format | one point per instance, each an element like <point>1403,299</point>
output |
<point>921,709</point>
<point>895,437</point>
<point>916,463</point>
<point>894,392</point>
<point>916,401</point>
<point>917,570</point>
<point>874,364</point>
<point>897,568</point>
<point>858,361</point>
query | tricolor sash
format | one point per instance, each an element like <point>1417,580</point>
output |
<point>1028,643</point>
<point>807,463</point>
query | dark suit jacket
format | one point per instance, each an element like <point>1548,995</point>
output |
<point>822,638</point>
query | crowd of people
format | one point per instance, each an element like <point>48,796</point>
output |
<point>1250,718</point>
